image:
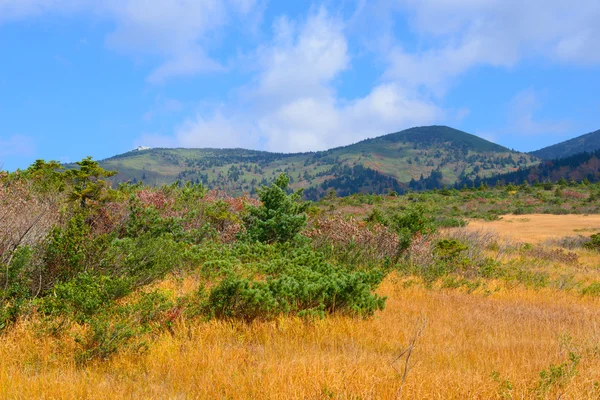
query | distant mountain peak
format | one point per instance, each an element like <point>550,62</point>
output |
<point>580,144</point>
<point>449,135</point>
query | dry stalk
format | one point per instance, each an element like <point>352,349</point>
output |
<point>405,355</point>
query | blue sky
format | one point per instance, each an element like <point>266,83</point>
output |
<point>98,77</point>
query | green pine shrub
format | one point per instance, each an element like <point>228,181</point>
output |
<point>299,291</point>
<point>280,217</point>
<point>594,243</point>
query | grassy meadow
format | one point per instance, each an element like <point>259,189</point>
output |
<point>183,293</point>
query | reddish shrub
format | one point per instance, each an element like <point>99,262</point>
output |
<point>375,242</point>
<point>25,216</point>
<point>573,194</point>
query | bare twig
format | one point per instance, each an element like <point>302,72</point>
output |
<point>406,354</point>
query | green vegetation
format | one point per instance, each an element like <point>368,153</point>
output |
<point>417,158</point>
<point>567,171</point>
<point>585,143</point>
<point>76,252</point>
<point>450,207</point>
<point>104,244</point>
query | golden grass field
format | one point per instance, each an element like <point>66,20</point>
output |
<point>535,228</point>
<point>484,344</point>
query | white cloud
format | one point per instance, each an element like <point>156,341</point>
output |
<point>18,9</point>
<point>216,131</point>
<point>522,119</point>
<point>171,29</point>
<point>163,106</point>
<point>457,35</point>
<point>186,64</point>
<point>17,145</point>
<point>293,105</point>
<point>303,59</point>
<point>318,124</point>
<point>178,31</point>
<point>300,109</point>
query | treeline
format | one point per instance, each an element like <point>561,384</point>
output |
<point>580,167</point>
<point>357,179</point>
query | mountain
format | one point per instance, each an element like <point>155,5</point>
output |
<point>421,157</point>
<point>573,168</point>
<point>588,142</point>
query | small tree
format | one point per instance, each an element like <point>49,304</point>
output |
<point>280,217</point>
<point>411,222</point>
<point>87,182</point>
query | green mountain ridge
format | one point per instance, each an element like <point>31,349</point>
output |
<point>417,157</point>
<point>581,144</point>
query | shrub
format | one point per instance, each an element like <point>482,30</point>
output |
<point>299,282</point>
<point>559,255</point>
<point>594,243</point>
<point>280,218</point>
<point>535,280</point>
<point>84,296</point>
<point>557,375</point>
<point>569,242</point>
<point>463,252</point>
<point>353,242</point>
<point>243,299</point>
<point>592,290</point>
<point>103,339</point>
<point>376,216</point>
<point>146,258</point>
<point>303,292</point>
<point>64,255</point>
<point>451,222</point>
<point>450,249</point>
<point>15,280</point>
<point>410,222</point>
<point>26,216</point>
<point>122,327</point>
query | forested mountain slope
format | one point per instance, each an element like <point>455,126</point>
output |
<point>584,143</point>
<point>422,157</point>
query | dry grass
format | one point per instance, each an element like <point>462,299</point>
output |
<point>537,228</point>
<point>516,332</point>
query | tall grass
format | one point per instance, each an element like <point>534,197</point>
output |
<point>469,339</point>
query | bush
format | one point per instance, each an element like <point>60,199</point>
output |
<point>103,339</point>
<point>557,375</point>
<point>84,296</point>
<point>16,286</point>
<point>451,222</point>
<point>410,222</point>
<point>449,250</point>
<point>114,328</point>
<point>353,242</point>
<point>463,253</point>
<point>594,243</point>
<point>592,290</point>
<point>146,258</point>
<point>280,218</point>
<point>298,282</point>
<point>65,251</point>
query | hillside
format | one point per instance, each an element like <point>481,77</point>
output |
<point>588,142</point>
<point>422,157</point>
<point>577,168</point>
